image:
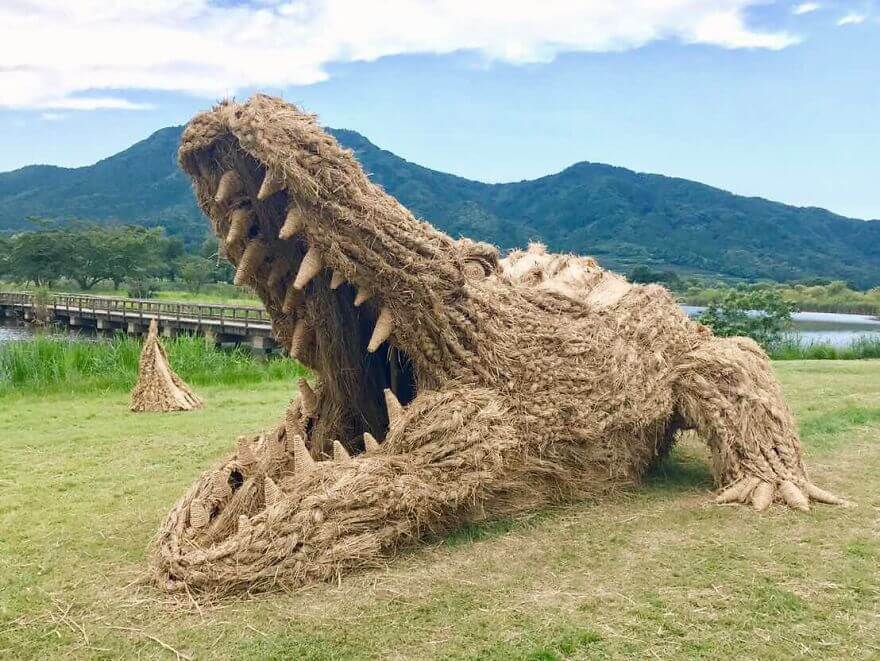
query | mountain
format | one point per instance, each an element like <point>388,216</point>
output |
<point>622,217</point>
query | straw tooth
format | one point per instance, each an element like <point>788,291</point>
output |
<point>270,186</point>
<point>309,398</point>
<point>220,488</point>
<point>299,338</point>
<point>293,223</point>
<point>310,267</point>
<point>277,271</point>
<point>244,525</point>
<point>250,261</point>
<point>382,331</point>
<point>239,222</point>
<point>370,442</point>
<point>271,491</point>
<point>336,280</point>
<point>245,454</point>
<point>340,454</point>
<point>198,513</point>
<point>229,186</point>
<point>291,299</point>
<point>302,460</point>
<point>395,409</point>
<point>363,295</point>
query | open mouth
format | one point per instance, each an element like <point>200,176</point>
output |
<point>337,328</point>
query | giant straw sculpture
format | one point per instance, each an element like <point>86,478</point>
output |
<point>451,387</point>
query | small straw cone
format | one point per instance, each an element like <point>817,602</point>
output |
<point>158,388</point>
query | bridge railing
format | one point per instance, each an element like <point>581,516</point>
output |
<point>130,308</point>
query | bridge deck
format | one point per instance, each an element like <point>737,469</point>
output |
<point>75,309</point>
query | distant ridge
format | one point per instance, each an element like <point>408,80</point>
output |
<point>622,217</point>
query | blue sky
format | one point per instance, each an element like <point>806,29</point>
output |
<point>777,99</point>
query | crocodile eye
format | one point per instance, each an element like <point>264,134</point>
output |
<point>474,270</point>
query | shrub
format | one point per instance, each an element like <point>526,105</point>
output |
<point>759,313</point>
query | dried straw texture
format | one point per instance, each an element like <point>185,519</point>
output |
<point>451,386</point>
<point>158,388</point>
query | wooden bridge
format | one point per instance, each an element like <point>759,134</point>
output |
<point>227,323</point>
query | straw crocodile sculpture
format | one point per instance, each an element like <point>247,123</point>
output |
<point>451,386</point>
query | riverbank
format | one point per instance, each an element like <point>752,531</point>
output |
<point>657,571</point>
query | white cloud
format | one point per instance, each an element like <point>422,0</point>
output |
<point>53,116</point>
<point>852,18</point>
<point>805,8</point>
<point>84,54</point>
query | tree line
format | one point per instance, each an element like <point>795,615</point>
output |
<point>89,255</point>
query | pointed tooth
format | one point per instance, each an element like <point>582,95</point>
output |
<point>239,223</point>
<point>220,489</point>
<point>309,398</point>
<point>310,267</point>
<point>363,295</point>
<point>395,408</point>
<point>382,331</point>
<point>302,460</point>
<point>340,454</point>
<point>198,513</point>
<point>271,491</point>
<point>250,261</point>
<point>299,339</point>
<point>336,280</point>
<point>293,223</point>
<point>277,271</point>
<point>291,299</point>
<point>245,454</point>
<point>228,187</point>
<point>270,186</point>
<point>370,442</point>
<point>244,525</point>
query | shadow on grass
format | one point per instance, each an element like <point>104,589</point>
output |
<point>683,470</point>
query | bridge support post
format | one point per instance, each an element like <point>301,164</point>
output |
<point>134,328</point>
<point>169,331</point>
<point>262,342</point>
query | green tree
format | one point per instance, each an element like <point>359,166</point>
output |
<point>88,258</point>
<point>135,253</point>
<point>196,272</point>
<point>37,257</point>
<point>756,312</point>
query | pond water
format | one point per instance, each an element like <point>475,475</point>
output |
<point>838,330</point>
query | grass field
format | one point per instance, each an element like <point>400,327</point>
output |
<point>656,572</point>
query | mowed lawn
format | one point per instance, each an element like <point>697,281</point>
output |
<point>655,572</point>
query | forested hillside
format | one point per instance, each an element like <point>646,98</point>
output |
<point>622,217</point>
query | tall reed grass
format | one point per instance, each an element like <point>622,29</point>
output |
<point>46,363</point>
<point>792,349</point>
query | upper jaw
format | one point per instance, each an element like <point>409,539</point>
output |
<point>344,270</point>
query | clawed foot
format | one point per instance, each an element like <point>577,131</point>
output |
<point>760,493</point>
